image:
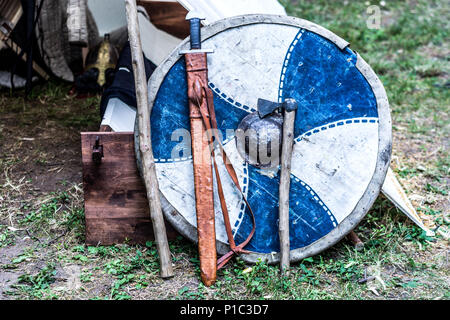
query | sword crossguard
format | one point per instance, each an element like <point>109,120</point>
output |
<point>196,51</point>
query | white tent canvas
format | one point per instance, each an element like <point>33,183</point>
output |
<point>214,10</point>
<point>110,19</point>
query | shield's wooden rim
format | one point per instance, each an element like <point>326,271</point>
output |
<point>384,137</point>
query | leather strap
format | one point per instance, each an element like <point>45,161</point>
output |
<point>210,122</point>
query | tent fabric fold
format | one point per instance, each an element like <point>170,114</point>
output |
<point>55,38</point>
<point>77,22</point>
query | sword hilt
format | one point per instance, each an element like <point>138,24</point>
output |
<point>196,36</point>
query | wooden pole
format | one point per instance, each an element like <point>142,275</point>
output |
<point>290,107</point>
<point>14,47</point>
<point>29,9</point>
<point>145,146</point>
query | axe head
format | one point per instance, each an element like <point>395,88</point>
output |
<point>266,107</point>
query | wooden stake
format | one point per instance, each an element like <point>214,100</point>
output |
<point>290,107</point>
<point>353,237</point>
<point>145,146</point>
<point>14,47</point>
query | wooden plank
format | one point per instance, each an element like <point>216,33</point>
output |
<point>168,16</point>
<point>115,200</point>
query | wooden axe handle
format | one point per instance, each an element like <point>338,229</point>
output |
<point>285,183</point>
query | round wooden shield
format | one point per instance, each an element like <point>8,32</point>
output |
<point>342,132</point>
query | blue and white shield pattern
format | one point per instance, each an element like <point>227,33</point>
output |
<point>336,131</point>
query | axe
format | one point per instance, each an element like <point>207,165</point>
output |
<point>289,108</point>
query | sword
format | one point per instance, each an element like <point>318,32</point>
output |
<point>197,80</point>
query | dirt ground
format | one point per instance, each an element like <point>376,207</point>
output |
<point>41,171</point>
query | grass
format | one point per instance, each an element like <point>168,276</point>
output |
<point>37,285</point>
<point>42,250</point>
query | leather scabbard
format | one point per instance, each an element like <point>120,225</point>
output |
<point>197,75</point>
